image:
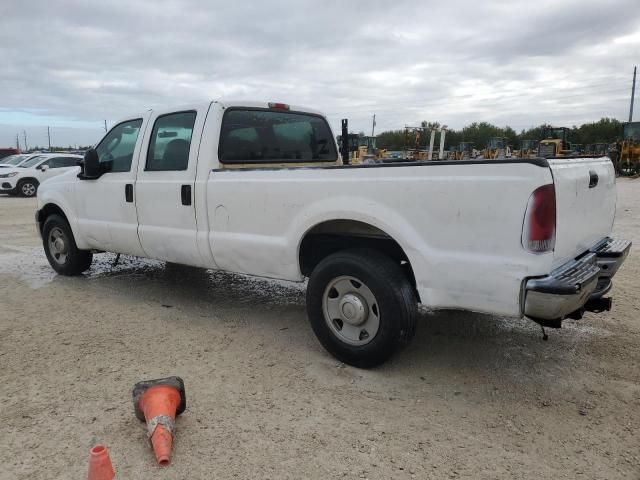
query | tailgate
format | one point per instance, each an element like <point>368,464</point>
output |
<point>585,204</point>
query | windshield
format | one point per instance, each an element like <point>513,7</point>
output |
<point>13,159</point>
<point>555,133</point>
<point>33,161</point>
<point>632,131</point>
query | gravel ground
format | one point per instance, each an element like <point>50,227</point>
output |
<point>472,397</point>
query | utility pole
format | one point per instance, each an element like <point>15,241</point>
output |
<point>105,125</point>
<point>24,133</point>
<point>633,94</point>
<point>18,141</point>
<point>49,137</point>
<point>371,142</point>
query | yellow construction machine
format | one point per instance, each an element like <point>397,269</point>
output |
<point>497,147</point>
<point>629,150</point>
<point>464,151</point>
<point>528,149</point>
<point>362,148</point>
<point>555,143</point>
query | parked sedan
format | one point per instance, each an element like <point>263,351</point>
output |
<point>25,179</point>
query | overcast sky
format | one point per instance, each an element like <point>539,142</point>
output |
<point>72,64</point>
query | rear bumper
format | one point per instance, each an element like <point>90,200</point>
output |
<point>568,288</point>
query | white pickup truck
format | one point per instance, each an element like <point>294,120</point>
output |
<point>259,189</point>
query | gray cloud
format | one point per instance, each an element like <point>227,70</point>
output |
<point>75,63</point>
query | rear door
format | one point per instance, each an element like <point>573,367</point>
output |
<point>585,203</point>
<point>165,186</point>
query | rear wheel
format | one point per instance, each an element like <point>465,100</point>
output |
<point>28,187</point>
<point>60,247</point>
<point>361,306</point>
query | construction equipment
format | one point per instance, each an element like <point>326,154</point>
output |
<point>554,143</point>
<point>463,151</point>
<point>577,149</point>
<point>360,148</point>
<point>629,150</point>
<point>600,149</point>
<point>497,147</point>
<point>528,149</point>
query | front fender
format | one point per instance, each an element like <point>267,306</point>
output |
<point>61,195</point>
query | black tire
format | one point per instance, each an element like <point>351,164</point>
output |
<point>396,299</point>
<point>75,261</point>
<point>27,187</point>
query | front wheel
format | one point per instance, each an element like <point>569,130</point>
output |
<point>28,187</point>
<point>60,247</point>
<point>361,306</point>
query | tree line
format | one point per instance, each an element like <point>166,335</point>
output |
<point>605,130</point>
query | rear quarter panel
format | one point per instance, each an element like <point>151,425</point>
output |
<point>460,225</point>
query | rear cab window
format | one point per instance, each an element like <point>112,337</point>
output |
<point>251,136</point>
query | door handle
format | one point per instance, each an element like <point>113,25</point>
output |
<point>185,194</point>
<point>128,192</point>
<point>593,179</point>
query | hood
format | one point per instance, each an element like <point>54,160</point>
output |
<point>4,171</point>
<point>66,177</point>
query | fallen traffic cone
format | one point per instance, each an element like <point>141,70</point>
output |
<point>158,402</point>
<point>100,467</point>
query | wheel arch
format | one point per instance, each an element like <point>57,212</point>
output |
<point>48,210</point>
<point>21,181</point>
<point>54,208</point>
<point>330,236</point>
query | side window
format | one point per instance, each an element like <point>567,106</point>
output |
<point>170,142</point>
<point>55,162</point>
<point>60,162</point>
<point>265,136</point>
<point>118,146</point>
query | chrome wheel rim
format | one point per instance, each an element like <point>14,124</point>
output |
<point>58,245</point>
<point>351,310</point>
<point>28,189</point>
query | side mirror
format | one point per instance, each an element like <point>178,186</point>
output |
<point>43,168</point>
<point>91,165</point>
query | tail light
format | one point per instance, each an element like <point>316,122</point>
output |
<point>539,228</point>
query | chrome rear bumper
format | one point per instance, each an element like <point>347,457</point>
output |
<point>569,287</point>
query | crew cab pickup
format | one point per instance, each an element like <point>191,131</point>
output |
<point>259,189</point>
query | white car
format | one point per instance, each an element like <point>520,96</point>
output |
<point>13,161</point>
<point>259,189</point>
<point>25,179</point>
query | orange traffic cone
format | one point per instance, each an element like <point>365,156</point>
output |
<point>100,467</point>
<point>158,402</point>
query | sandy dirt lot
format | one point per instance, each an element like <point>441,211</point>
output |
<point>473,396</point>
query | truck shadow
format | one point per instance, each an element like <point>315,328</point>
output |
<point>448,344</point>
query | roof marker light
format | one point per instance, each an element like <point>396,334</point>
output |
<point>279,106</point>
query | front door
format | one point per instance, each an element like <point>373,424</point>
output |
<point>106,208</point>
<point>165,187</point>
